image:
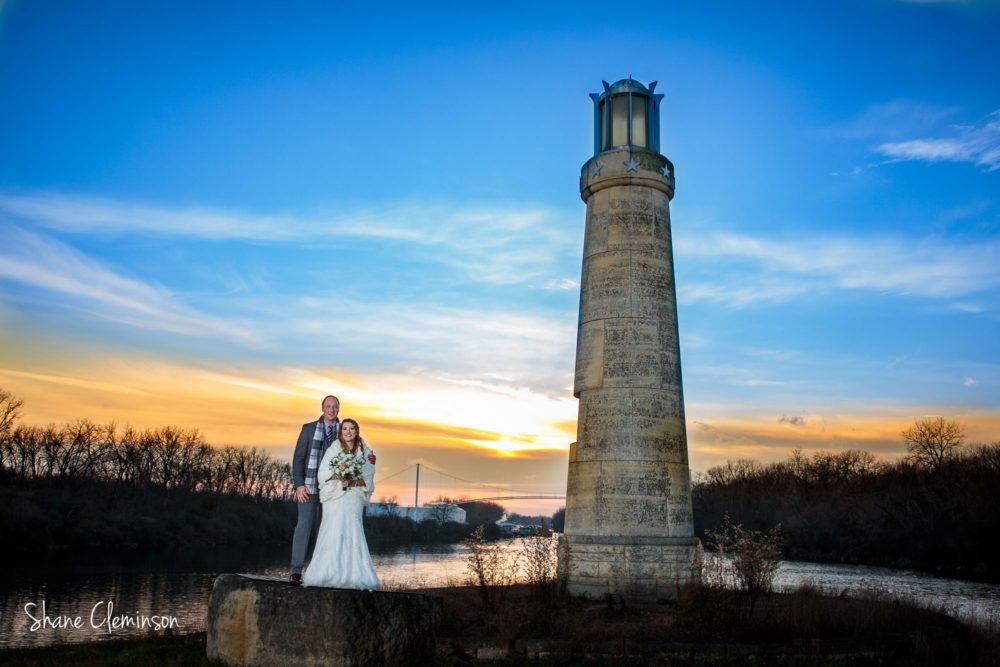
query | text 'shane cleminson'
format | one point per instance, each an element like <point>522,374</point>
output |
<point>102,617</point>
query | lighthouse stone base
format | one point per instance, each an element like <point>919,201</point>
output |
<point>640,569</point>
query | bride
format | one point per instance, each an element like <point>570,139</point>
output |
<point>341,558</point>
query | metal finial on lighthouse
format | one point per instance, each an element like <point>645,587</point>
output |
<point>629,529</point>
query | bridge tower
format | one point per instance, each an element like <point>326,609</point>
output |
<point>629,529</point>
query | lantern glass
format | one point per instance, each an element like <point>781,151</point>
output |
<point>619,120</point>
<point>639,131</point>
<point>602,115</point>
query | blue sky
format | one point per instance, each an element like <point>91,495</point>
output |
<point>212,214</point>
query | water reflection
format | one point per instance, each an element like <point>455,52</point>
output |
<point>963,599</point>
<point>148,585</point>
<point>179,584</point>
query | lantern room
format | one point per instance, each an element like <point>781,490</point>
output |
<point>626,115</point>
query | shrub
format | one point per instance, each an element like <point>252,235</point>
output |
<point>538,553</point>
<point>744,560</point>
<point>492,569</point>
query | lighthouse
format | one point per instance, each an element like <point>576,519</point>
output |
<point>629,530</point>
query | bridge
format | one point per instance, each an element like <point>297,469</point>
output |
<point>489,500</point>
<point>501,493</point>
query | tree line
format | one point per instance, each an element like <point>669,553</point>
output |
<point>101,484</point>
<point>931,510</point>
<point>86,485</point>
<point>168,457</point>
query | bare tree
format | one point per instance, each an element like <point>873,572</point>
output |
<point>219,467</point>
<point>441,509</point>
<point>241,474</point>
<point>80,448</point>
<point>197,457</point>
<point>167,444</point>
<point>391,505</point>
<point>146,465</point>
<point>932,442</point>
<point>10,411</point>
<point>988,456</point>
<point>277,480</point>
<point>25,457</point>
<point>739,470</point>
<point>127,456</point>
<point>54,456</point>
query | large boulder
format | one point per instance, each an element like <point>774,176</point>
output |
<point>261,621</point>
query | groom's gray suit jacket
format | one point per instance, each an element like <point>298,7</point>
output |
<point>300,459</point>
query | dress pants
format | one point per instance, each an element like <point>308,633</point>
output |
<point>303,531</point>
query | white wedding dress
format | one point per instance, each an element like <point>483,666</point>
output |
<point>341,558</point>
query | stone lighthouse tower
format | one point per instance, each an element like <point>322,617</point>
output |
<point>629,529</point>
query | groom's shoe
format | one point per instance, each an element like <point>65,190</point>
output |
<point>295,579</point>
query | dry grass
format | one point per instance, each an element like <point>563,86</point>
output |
<point>805,620</point>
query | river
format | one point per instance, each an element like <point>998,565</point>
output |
<point>178,586</point>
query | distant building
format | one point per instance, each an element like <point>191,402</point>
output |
<point>441,512</point>
<point>518,529</point>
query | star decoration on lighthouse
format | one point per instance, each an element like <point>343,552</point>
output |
<point>632,164</point>
<point>596,169</point>
<point>666,171</point>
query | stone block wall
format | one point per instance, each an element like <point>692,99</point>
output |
<point>629,477</point>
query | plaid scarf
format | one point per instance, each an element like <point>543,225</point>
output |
<point>318,447</point>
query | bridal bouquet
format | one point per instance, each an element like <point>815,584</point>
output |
<point>346,467</point>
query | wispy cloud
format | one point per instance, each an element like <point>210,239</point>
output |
<point>740,294</point>
<point>895,119</point>
<point>77,382</point>
<point>927,267</point>
<point>793,420</point>
<point>513,348</point>
<point>758,382</point>
<point>88,285</point>
<point>961,307</point>
<point>562,284</point>
<point>495,244</point>
<point>504,351</point>
<point>977,144</point>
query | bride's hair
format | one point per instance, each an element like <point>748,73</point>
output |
<point>358,441</point>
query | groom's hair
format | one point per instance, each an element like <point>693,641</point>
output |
<point>323,402</point>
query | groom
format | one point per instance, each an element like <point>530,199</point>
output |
<point>314,439</point>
